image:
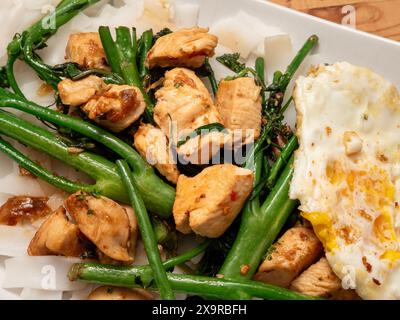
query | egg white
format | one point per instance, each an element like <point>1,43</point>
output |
<point>346,173</point>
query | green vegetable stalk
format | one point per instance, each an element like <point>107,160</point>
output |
<point>214,288</point>
<point>261,223</point>
<point>122,56</point>
<point>104,172</point>
<point>146,231</point>
<point>157,195</point>
<point>211,77</point>
<point>146,45</point>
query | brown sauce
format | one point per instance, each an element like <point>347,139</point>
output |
<point>21,208</point>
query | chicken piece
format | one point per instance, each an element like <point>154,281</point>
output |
<point>23,208</point>
<point>208,203</point>
<point>239,103</point>
<point>318,280</point>
<point>184,102</point>
<point>134,227</point>
<point>118,293</point>
<point>183,105</point>
<point>104,222</point>
<point>297,249</point>
<point>86,49</point>
<point>182,48</point>
<point>57,236</point>
<point>200,149</point>
<point>76,93</point>
<point>152,144</point>
<point>116,108</point>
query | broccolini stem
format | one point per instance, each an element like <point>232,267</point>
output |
<point>42,173</point>
<point>215,288</point>
<point>260,69</point>
<point>147,43</point>
<point>151,186</point>
<point>211,77</point>
<point>122,57</point>
<point>259,228</point>
<point>104,172</point>
<point>146,231</point>
<point>280,163</point>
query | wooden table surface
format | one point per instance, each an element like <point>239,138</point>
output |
<point>381,17</point>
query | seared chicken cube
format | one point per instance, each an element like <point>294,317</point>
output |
<point>208,203</point>
<point>182,48</point>
<point>184,103</point>
<point>239,104</point>
<point>57,236</point>
<point>116,108</point>
<point>104,222</point>
<point>76,93</point>
<point>297,249</point>
<point>86,49</point>
<point>318,280</point>
<point>152,144</point>
<point>200,149</point>
<point>118,293</point>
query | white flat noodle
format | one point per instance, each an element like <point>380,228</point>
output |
<point>6,165</point>
<point>185,14</point>
<point>84,293</point>
<point>278,53</point>
<point>56,200</point>
<point>242,33</point>
<point>4,293</point>
<point>45,273</point>
<point>38,294</point>
<point>14,240</point>
<point>15,184</point>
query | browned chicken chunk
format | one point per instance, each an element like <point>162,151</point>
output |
<point>104,222</point>
<point>318,280</point>
<point>117,293</point>
<point>86,49</point>
<point>116,108</point>
<point>182,48</point>
<point>292,253</point>
<point>57,236</point>
<point>239,103</point>
<point>152,144</point>
<point>185,101</point>
<point>76,93</point>
<point>208,203</point>
<point>183,105</point>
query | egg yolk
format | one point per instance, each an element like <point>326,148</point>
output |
<point>323,228</point>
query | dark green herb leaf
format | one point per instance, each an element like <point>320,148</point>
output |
<point>231,61</point>
<point>161,33</point>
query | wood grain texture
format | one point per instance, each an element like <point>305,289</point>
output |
<point>381,17</point>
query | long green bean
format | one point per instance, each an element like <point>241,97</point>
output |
<point>146,231</point>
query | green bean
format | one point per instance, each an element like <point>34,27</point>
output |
<point>146,231</point>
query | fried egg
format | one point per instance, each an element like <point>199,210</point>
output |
<point>347,173</point>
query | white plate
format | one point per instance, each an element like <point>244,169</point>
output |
<point>337,42</point>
